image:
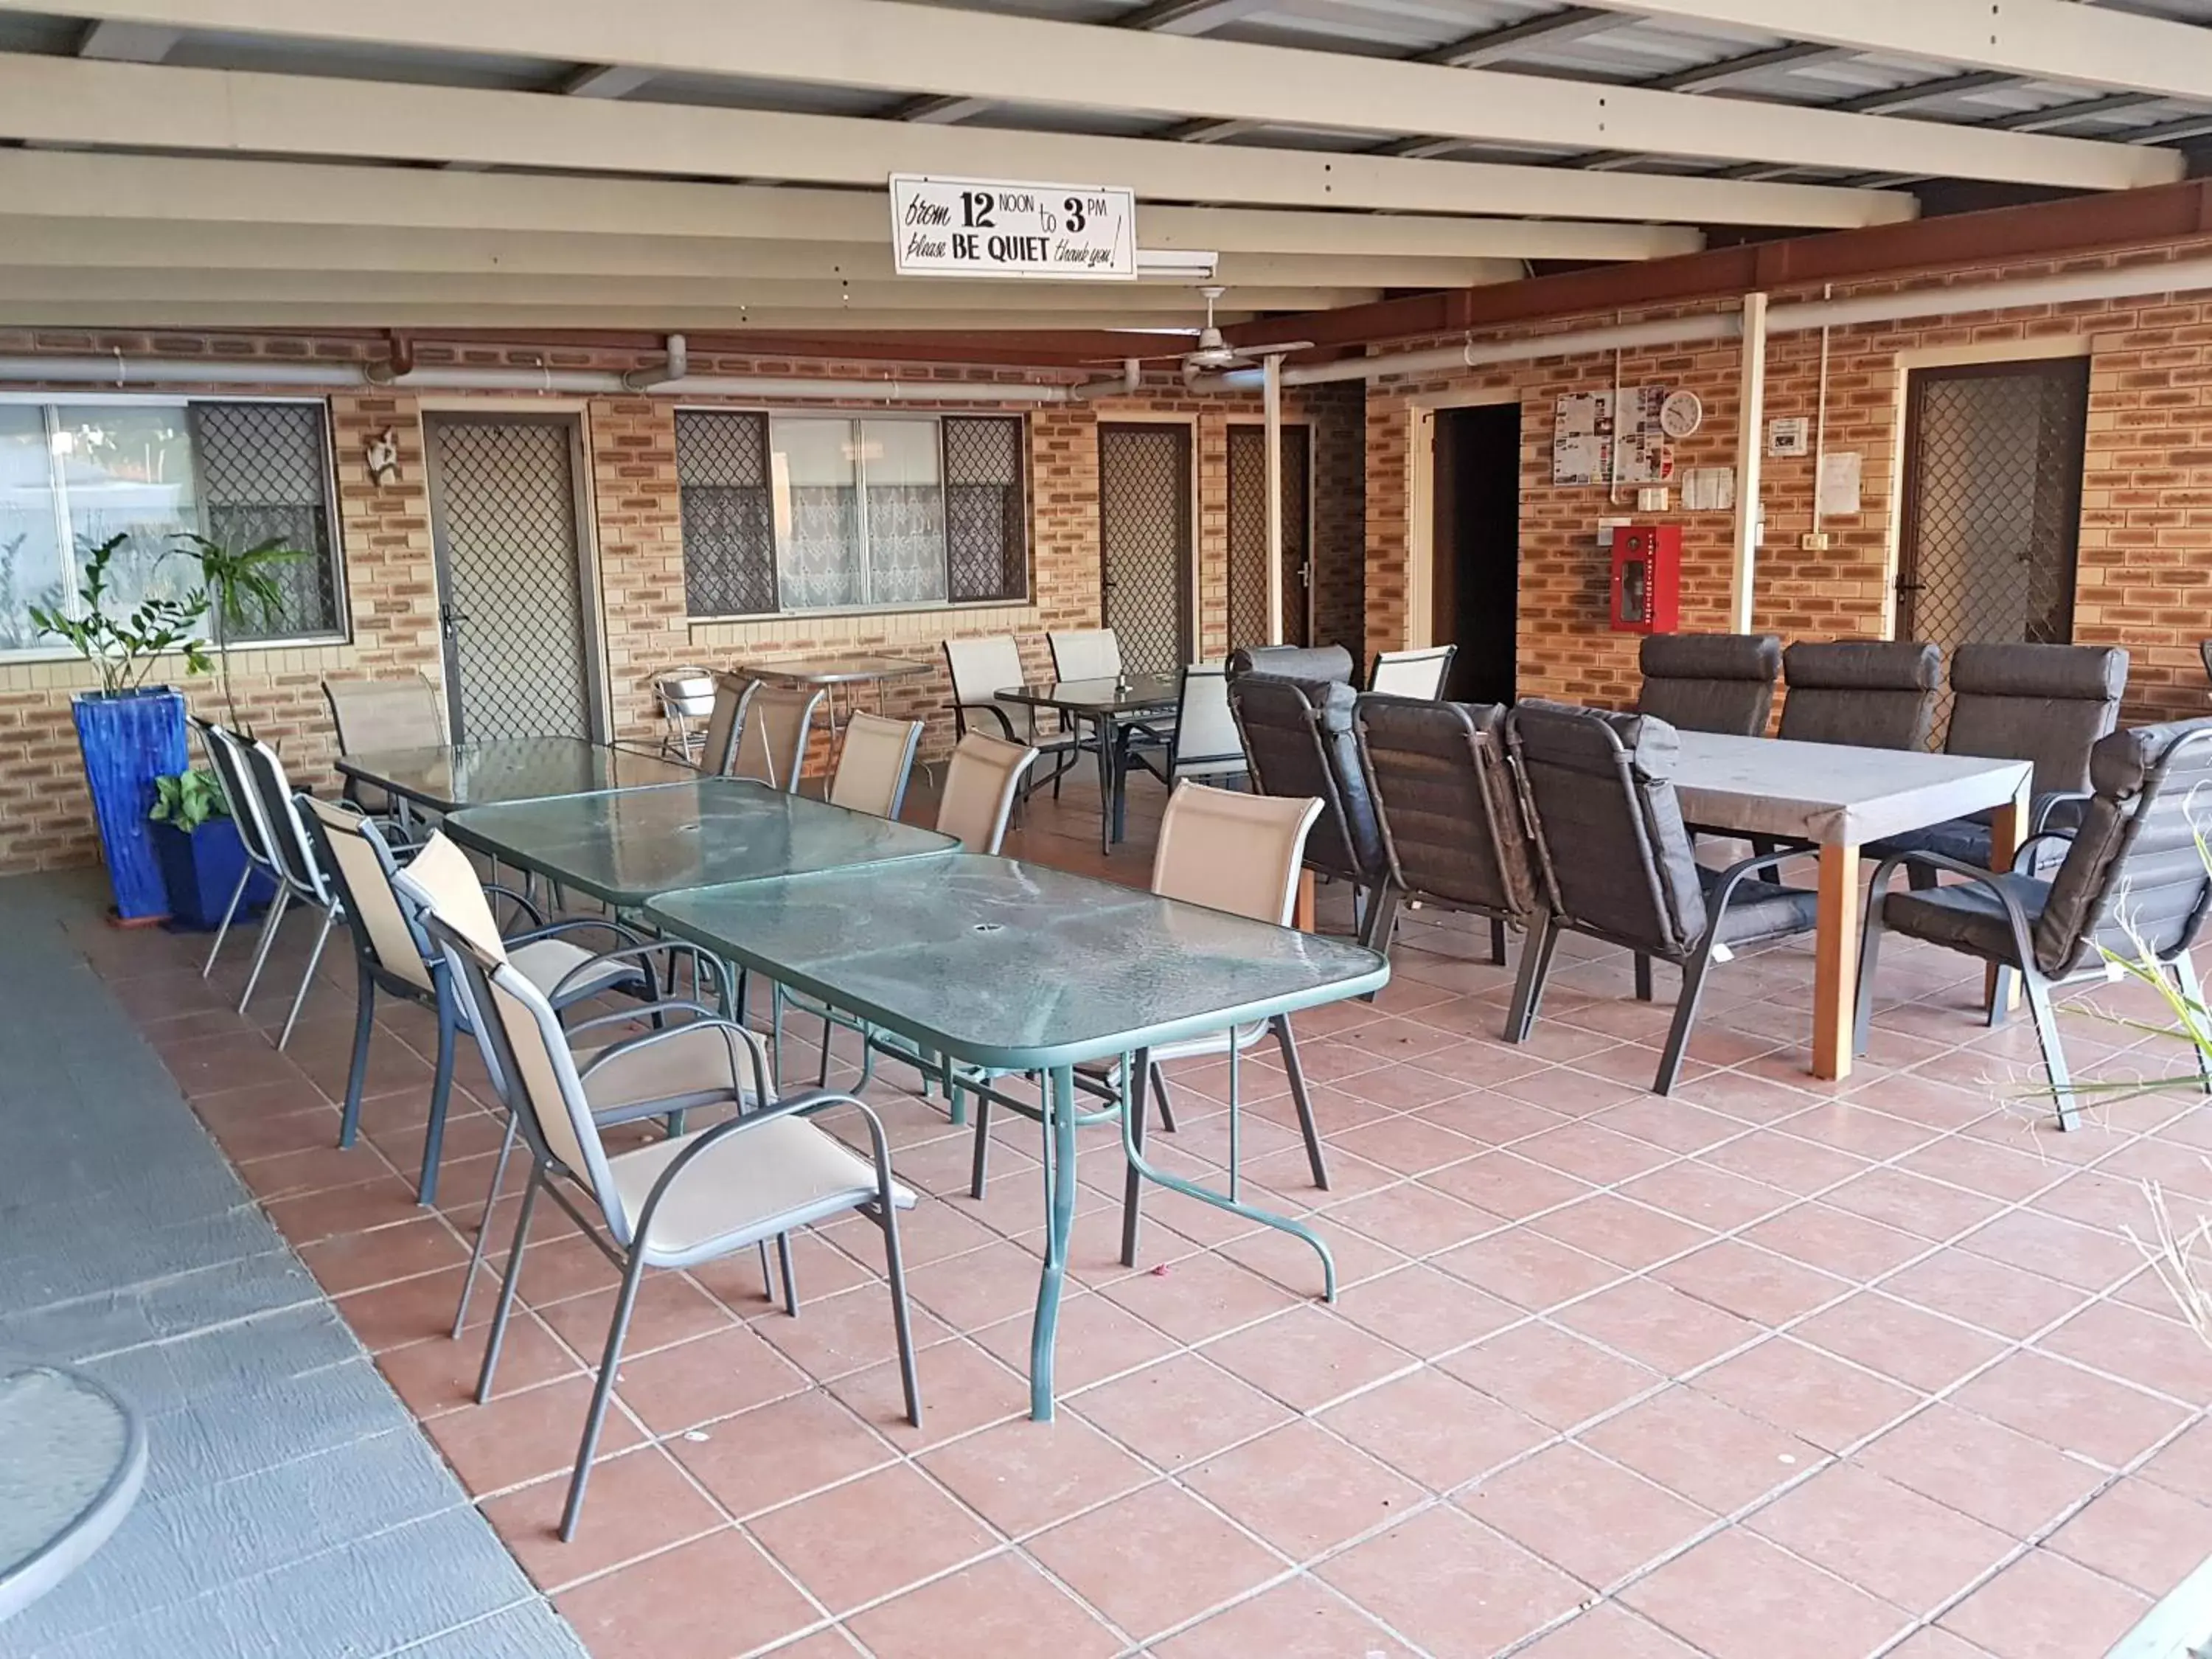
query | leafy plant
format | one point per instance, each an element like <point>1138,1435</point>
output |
<point>189,799</point>
<point>124,647</point>
<point>240,585</point>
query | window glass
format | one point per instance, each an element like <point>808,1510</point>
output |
<point>905,512</point>
<point>31,565</point>
<point>815,467</point>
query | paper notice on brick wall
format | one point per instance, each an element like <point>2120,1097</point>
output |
<point>1840,476</point>
<point>1709,490</point>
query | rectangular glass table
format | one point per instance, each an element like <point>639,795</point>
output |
<point>447,777</point>
<point>1114,708</point>
<point>1839,798</point>
<point>624,846</point>
<point>1011,966</point>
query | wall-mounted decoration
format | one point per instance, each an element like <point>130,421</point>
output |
<point>381,454</point>
<point>1709,490</point>
<point>1589,446</point>
<point>1681,414</point>
<point>1789,436</point>
<point>1839,485</point>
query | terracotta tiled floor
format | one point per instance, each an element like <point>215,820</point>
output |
<point>1771,1367</point>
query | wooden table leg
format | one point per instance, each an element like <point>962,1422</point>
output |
<point>2008,829</point>
<point>1302,917</point>
<point>1836,962</point>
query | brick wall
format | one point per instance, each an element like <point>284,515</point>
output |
<point>2145,568</point>
<point>385,532</point>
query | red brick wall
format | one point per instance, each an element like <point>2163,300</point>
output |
<point>385,531</point>
<point>2145,577</point>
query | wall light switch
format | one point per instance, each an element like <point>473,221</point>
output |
<point>1813,541</point>
<point>1651,499</point>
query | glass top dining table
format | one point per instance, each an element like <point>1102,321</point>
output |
<point>1114,706</point>
<point>623,846</point>
<point>446,777</point>
<point>1013,967</point>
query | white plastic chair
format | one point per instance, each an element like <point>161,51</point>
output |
<point>1412,673</point>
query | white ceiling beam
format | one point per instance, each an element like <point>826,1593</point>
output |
<point>164,244</point>
<point>891,46</point>
<point>71,102</point>
<point>1138,302</point>
<point>2061,40</point>
<point>82,184</point>
<point>1513,40</point>
<point>123,42</point>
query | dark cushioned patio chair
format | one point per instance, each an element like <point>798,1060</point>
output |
<point>1873,694</point>
<point>1710,682</point>
<point>1617,863</point>
<point>2133,881</point>
<point>1449,807</point>
<point>1331,663</point>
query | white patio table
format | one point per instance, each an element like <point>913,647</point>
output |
<point>1839,798</point>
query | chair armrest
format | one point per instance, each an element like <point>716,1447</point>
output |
<point>646,1010</point>
<point>642,952</point>
<point>2041,808</point>
<point>521,901</point>
<point>2020,854</point>
<point>1973,872</point>
<point>1005,726</point>
<point>1733,878</point>
<point>797,1105</point>
<point>735,1038</point>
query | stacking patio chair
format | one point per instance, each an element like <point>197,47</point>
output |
<point>726,716</point>
<point>1204,742</point>
<point>2047,704</point>
<point>1618,865</point>
<point>301,877</point>
<point>1230,852</point>
<point>874,763</point>
<point>245,803</point>
<point>1721,683</point>
<point>685,697</point>
<point>2133,883</point>
<point>982,668</point>
<point>1084,654</point>
<point>1412,673</point>
<point>374,714</point>
<point>1872,694</point>
<point>1448,808</point>
<point>675,1203</point>
<point>392,954</point>
<point>1293,662</point>
<point>1298,739</point>
<point>778,723</point>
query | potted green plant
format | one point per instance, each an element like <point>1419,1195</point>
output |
<point>202,857</point>
<point>195,835</point>
<point>131,732</point>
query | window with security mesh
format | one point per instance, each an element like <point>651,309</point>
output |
<point>729,521</point>
<point>263,477</point>
<point>986,508</point>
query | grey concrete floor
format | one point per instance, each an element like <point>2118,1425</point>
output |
<point>292,1507</point>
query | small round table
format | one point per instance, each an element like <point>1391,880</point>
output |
<point>72,1459</point>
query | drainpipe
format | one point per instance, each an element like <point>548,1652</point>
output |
<point>1123,384</point>
<point>673,367</point>
<point>1751,404</point>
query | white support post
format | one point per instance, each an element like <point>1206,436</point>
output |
<point>1751,402</point>
<point>1271,399</point>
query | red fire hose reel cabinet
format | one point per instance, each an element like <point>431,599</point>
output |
<point>1646,596</point>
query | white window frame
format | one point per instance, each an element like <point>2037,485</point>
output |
<point>48,400</point>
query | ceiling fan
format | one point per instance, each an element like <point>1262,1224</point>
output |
<point>1213,353</point>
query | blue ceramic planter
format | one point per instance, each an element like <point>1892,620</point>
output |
<point>201,868</point>
<point>128,742</point>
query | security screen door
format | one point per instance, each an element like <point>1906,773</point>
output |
<point>1248,536</point>
<point>504,517</point>
<point>1145,543</point>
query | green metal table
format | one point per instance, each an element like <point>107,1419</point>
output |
<point>623,847</point>
<point>1114,708</point>
<point>450,776</point>
<point>1013,967</point>
<point>72,1459</point>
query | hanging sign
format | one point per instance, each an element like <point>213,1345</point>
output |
<point>993,227</point>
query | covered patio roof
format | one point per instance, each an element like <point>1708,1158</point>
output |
<point>220,163</point>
